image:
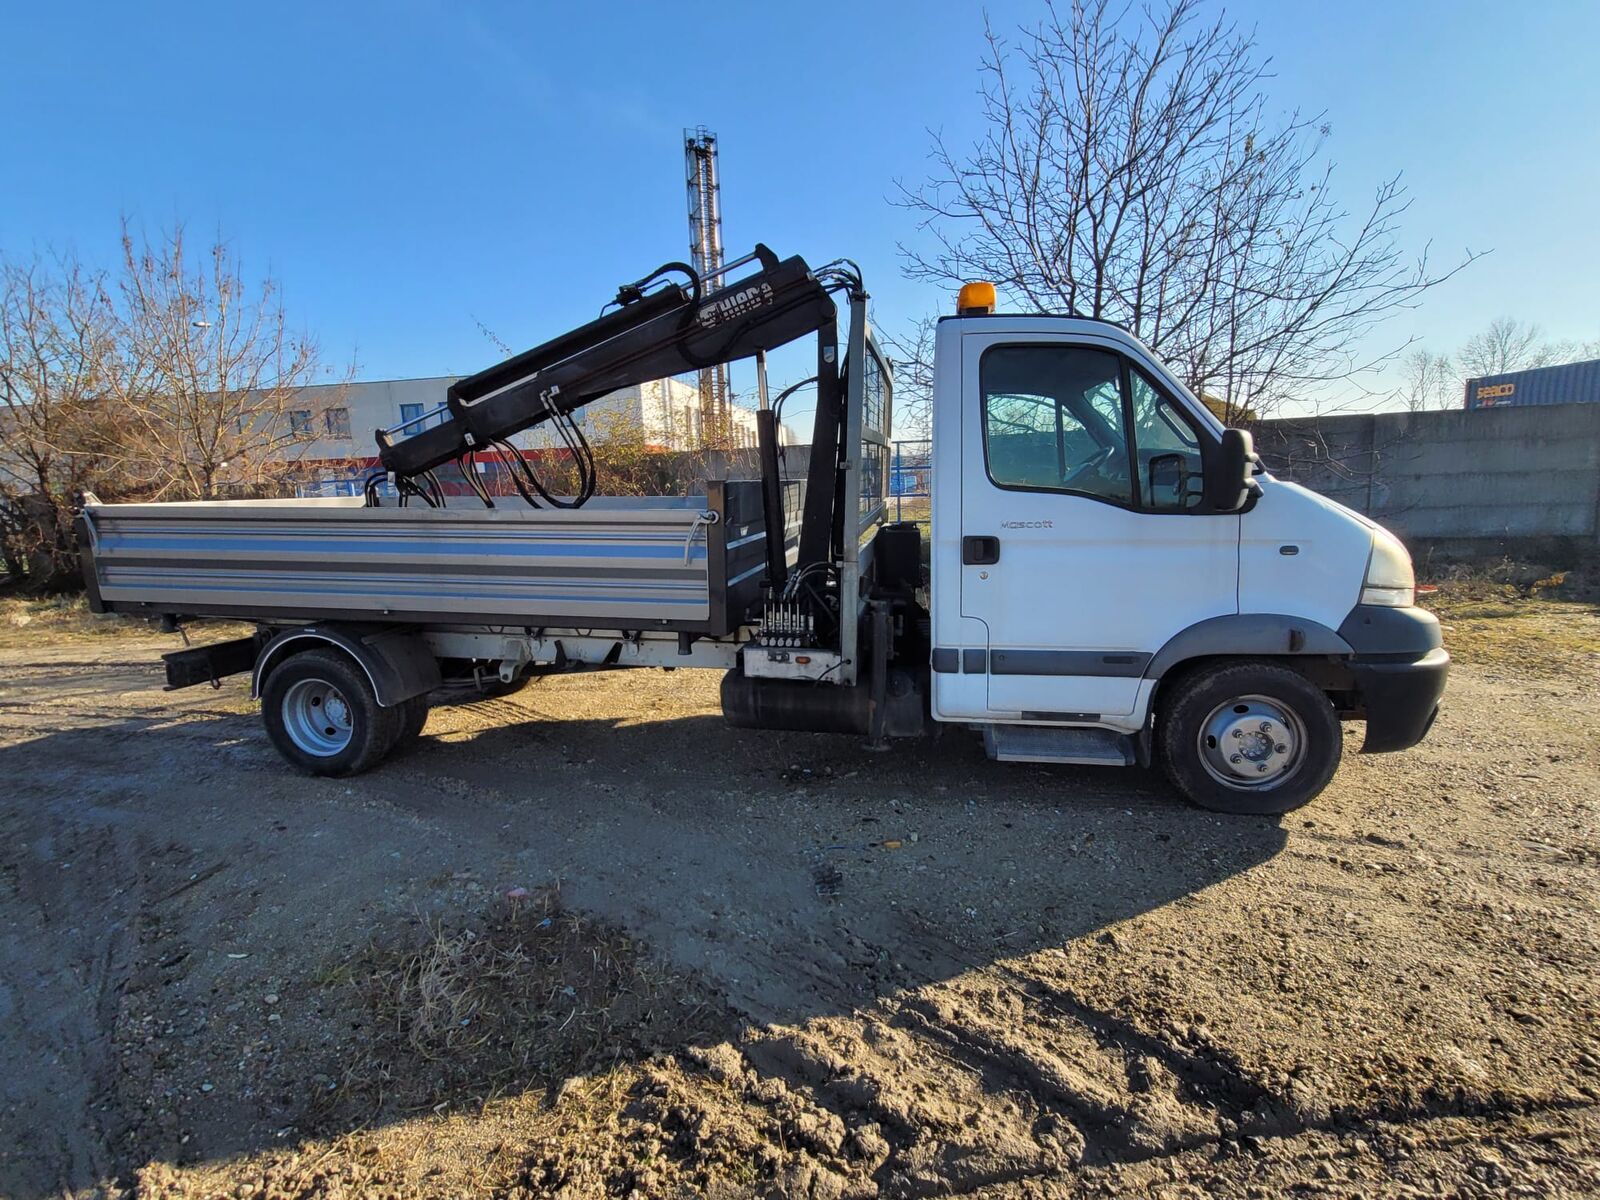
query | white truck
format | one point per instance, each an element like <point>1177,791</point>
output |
<point>1112,577</point>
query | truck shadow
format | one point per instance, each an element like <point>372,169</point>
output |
<point>744,853</point>
<point>792,876</point>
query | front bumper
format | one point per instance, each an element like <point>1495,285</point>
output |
<point>1400,667</point>
<point>1401,699</point>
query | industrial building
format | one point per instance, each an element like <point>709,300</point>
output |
<point>1569,383</point>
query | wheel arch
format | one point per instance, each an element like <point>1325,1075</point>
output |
<point>1313,649</point>
<point>1248,635</point>
<point>396,662</point>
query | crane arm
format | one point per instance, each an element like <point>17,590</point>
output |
<point>660,328</point>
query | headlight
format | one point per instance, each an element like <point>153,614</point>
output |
<point>1389,580</point>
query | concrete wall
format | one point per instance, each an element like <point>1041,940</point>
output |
<point>1464,481</point>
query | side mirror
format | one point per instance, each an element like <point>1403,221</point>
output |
<point>1171,485</point>
<point>1227,479</point>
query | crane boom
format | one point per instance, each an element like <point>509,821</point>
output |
<point>660,327</point>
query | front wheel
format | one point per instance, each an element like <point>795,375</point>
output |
<point>322,715</point>
<point>1250,737</point>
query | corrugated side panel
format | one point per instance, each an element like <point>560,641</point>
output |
<point>620,566</point>
<point>1570,383</point>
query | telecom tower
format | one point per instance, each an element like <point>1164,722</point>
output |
<point>705,254</point>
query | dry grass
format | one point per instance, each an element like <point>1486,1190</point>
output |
<point>911,508</point>
<point>28,620</point>
<point>1523,616</point>
<point>25,619</point>
<point>519,1001</point>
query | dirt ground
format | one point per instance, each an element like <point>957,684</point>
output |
<point>587,941</point>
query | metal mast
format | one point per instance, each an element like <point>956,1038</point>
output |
<point>705,254</point>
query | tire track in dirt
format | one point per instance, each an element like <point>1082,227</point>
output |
<point>69,904</point>
<point>978,1084</point>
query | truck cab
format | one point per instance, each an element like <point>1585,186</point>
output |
<point>1115,576</point>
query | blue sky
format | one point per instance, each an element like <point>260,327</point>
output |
<point>410,169</point>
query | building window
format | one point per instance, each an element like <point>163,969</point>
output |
<point>300,422</point>
<point>410,412</point>
<point>336,422</point>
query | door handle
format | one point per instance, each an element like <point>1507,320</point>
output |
<point>979,551</point>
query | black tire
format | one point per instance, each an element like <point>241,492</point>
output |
<point>1220,722</point>
<point>413,716</point>
<point>355,739</point>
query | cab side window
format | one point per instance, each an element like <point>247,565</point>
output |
<point>1168,449</point>
<point>1053,421</point>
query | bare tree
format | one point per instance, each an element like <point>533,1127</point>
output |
<point>1509,345</point>
<point>168,379</point>
<point>212,380</point>
<point>1131,171</point>
<point>57,430</point>
<point>912,355</point>
<point>1428,381</point>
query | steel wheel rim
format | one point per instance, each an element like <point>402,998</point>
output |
<point>1252,742</point>
<point>317,717</point>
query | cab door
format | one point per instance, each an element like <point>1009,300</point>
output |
<point>1081,550</point>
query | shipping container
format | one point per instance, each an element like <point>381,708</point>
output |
<point>1570,383</point>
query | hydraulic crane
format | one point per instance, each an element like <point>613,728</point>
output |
<point>671,321</point>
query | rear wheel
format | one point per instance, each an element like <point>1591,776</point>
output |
<point>322,715</point>
<point>414,715</point>
<point>1251,737</point>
